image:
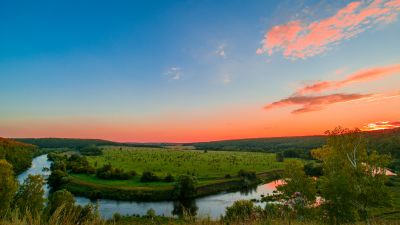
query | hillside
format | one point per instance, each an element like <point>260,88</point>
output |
<point>76,143</point>
<point>17,153</point>
<point>384,141</point>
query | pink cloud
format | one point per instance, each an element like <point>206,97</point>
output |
<point>298,39</point>
<point>315,103</point>
<point>359,76</point>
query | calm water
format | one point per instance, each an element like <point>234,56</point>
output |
<point>211,206</point>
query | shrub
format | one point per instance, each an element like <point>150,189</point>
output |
<point>109,173</point>
<point>241,210</point>
<point>228,176</point>
<point>151,213</point>
<point>169,178</point>
<point>148,176</point>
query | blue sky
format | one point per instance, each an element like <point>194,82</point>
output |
<point>150,64</point>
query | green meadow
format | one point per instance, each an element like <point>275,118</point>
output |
<point>202,164</point>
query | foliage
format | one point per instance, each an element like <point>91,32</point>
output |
<point>91,150</point>
<point>169,178</point>
<point>280,157</point>
<point>296,181</point>
<point>57,179</point>
<point>148,176</point>
<point>79,164</point>
<point>76,143</point>
<point>8,186</point>
<point>17,153</point>
<point>110,173</point>
<point>60,198</point>
<point>354,179</point>
<point>185,188</point>
<point>240,211</point>
<point>313,169</point>
<point>29,197</point>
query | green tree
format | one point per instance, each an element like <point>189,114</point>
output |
<point>8,186</point>
<point>57,179</point>
<point>30,195</point>
<point>296,181</point>
<point>354,179</point>
<point>60,198</point>
<point>186,187</point>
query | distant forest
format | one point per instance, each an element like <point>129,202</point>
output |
<point>383,141</point>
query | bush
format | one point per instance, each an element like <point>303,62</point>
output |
<point>169,178</point>
<point>228,176</point>
<point>79,164</point>
<point>148,176</point>
<point>107,172</point>
<point>151,213</point>
<point>57,179</point>
<point>241,210</point>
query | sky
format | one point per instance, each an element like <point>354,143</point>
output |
<point>187,71</point>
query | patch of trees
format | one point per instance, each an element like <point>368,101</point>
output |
<point>91,150</point>
<point>107,172</point>
<point>27,203</point>
<point>353,181</point>
<point>148,176</point>
<point>18,154</point>
<point>79,164</point>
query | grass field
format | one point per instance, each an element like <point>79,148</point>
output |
<point>203,165</point>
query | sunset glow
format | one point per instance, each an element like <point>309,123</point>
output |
<point>198,71</point>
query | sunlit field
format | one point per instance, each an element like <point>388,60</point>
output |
<point>202,164</point>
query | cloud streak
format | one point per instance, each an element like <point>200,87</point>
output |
<point>298,39</point>
<point>381,125</point>
<point>221,51</point>
<point>315,103</point>
<point>357,77</point>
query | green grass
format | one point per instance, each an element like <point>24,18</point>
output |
<point>210,165</point>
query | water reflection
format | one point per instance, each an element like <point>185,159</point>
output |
<point>185,208</point>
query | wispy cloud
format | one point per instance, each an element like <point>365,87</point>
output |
<point>226,79</point>
<point>174,73</point>
<point>221,50</point>
<point>381,125</point>
<point>299,39</point>
<point>359,76</point>
<point>315,103</point>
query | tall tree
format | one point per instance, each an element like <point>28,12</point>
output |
<point>30,196</point>
<point>8,186</point>
<point>354,178</point>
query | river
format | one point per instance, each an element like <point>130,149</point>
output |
<point>210,206</point>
